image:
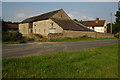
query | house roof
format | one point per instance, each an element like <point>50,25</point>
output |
<point>70,25</point>
<point>40,17</point>
<point>93,23</point>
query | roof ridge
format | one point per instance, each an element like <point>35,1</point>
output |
<point>49,15</point>
<point>92,20</point>
<point>57,11</point>
<point>44,13</point>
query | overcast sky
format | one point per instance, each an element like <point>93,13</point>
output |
<point>18,11</point>
<point>60,0</point>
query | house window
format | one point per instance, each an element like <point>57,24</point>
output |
<point>52,30</point>
<point>93,27</point>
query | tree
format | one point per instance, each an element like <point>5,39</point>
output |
<point>117,16</point>
<point>109,27</point>
<point>75,20</point>
<point>116,27</point>
<point>4,26</point>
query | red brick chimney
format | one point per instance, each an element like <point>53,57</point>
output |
<point>97,19</point>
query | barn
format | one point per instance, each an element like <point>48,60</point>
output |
<point>51,22</point>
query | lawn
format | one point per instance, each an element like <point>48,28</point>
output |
<point>55,40</point>
<point>99,62</point>
<point>11,42</point>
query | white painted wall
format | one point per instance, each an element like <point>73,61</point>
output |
<point>101,29</point>
<point>98,29</point>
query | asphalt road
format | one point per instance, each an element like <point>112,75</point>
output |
<point>17,50</point>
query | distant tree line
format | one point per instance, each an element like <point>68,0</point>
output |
<point>4,25</point>
<point>10,36</point>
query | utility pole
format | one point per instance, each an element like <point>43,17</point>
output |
<point>111,23</point>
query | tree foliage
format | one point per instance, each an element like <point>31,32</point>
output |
<point>116,25</point>
<point>75,20</point>
<point>12,36</point>
<point>4,26</point>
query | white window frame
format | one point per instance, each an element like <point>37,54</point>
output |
<point>52,30</point>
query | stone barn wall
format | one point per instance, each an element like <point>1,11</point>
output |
<point>77,34</point>
<point>55,36</point>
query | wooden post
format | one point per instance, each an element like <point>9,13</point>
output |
<point>111,23</point>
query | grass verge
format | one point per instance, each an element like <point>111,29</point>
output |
<point>54,40</point>
<point>11,42</point>
<point>99,62</point>
<point>79,39</point>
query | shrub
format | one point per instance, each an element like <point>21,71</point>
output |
<point>12,36</point>
<point>117,35</point>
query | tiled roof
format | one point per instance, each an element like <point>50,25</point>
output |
<point>93,23</point>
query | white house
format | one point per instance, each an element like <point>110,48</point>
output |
<point>96,25</point>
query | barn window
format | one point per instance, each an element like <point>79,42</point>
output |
<point>23,28</point>
<point>52,30</point>
<point>35,30</point>
<point>30,30</point>
<point>52,24</point>
<point>93,27</point>
<point>61,16</point>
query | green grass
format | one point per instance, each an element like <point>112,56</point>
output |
<point>11,42</point>
<point>99,62</point>
<point>55,40</point>
<point>79,39</point>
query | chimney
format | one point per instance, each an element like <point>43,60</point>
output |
<point>97,19</point>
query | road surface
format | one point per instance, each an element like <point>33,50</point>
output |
<point>17,50</point>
